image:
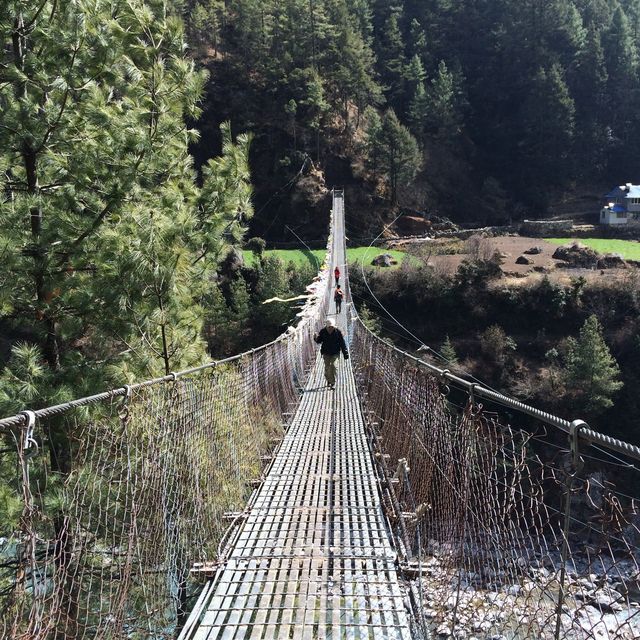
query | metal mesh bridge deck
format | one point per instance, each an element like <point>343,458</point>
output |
<point>313,558</point>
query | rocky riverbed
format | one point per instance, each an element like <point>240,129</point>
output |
<point>600,602</point>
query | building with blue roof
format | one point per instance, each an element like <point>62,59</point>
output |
<point>622,205</point>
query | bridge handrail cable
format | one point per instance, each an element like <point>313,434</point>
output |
<point>21,418</point>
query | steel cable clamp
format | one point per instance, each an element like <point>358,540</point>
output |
<point>443,381</point>
<point>29,443</point>
<point>123,410</point>
<point>577,462</point>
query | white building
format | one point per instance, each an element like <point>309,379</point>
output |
<point>622,205</point>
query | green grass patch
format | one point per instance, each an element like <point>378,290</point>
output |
<point>628,249</point>
<point>297,256</point>
<point>316,256</point>
<point>367,254</point>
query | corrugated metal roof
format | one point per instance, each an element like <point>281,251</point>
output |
<point>633,192</point>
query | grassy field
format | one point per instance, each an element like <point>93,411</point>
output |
<point>298,257</point>
<point>316,256</point>
<point>628,249</point>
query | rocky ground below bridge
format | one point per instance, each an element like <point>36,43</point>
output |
<point>600,603</point>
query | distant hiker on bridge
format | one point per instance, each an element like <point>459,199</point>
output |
<point>332,342</point>
<point>336,273</point>
<point>338,296</point>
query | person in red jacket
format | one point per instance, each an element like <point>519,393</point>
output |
<point>333,343</point>
<point>336,273</point>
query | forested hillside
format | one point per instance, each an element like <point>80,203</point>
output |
<point>118,216</point>
<point>478,109</point>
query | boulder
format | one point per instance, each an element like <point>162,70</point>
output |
<point>629,586</point>
<point>576,255</point>
<point>523,260</point>
<point>413,226</point>
<point>384,260</point>
<point>607,601</point>
<point>533,251</point>
<point>611,261</point>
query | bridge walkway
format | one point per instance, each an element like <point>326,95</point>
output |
<point>313,559</point>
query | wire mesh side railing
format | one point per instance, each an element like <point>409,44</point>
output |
<point>510,531</point>
<point>157,473</point>
<point>106,550</point>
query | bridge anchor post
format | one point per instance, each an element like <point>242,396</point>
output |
<point>576,464</point>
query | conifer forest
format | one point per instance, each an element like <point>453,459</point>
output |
<point>166,169</point>
<point>141,141</point>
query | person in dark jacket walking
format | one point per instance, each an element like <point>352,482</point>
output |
<point>336,273</point>
<point>338,296</point>
<point>333,343</point>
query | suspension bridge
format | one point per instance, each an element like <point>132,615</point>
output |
<point>245,499</point>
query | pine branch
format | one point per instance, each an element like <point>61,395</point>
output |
<point>27,27</point>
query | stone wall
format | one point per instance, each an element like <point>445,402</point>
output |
<point>542,228</point>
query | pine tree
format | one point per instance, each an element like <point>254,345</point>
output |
<point>548,121</point>
<point>436,20</point>
<point>417,40</point>
<point>418,112</point>
<point>317,106</point>
<point>591,372</point>
<point>205,20</point>
<point>392,60</point>
<point>588,85</point>
<point>106,249</point>
<point>415,77</point>
<point>101,105</point>
<point>349,63</point>
<point>373,138</point>
<point>250,32</point>
<point>360,12</point>
<point>621,58</point>
<point>448,352</point>
<point>397,152</point>
<point>633,14</point>
<point>444,103</point>
<point>595,13</point>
